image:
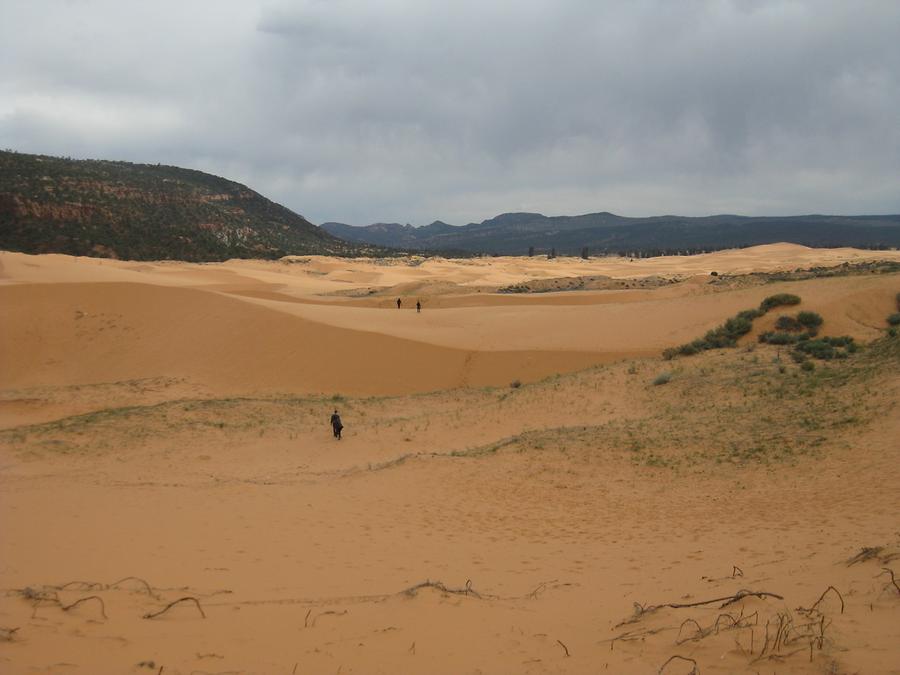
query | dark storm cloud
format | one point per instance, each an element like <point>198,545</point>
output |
<point>411,110</point>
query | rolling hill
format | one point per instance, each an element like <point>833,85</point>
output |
<point>146,212</point>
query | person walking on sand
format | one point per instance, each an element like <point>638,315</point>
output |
<point>336,425</point>
<point>398,303</point>
<point>418,306</point>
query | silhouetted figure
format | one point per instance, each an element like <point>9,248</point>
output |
<point>336,425</point>
<point>418,306</point>
<point>398,303</point>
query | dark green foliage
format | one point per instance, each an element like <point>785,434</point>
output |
<point>894,319</point>
<point>810,320</point>
<point>749,314</point>
<point>778,338</point>
<point>828,348</point>
<point>808,366</point>
<point>145,212</point>
<point>725,335</point>
<point>778,300</point>
<point>662,378</point>
<point>787,323</point>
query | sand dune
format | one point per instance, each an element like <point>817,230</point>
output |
<point>164,434</point>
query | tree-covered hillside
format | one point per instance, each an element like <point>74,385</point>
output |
<point>146,212</point>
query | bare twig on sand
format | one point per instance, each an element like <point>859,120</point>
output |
<point>736,571</point>
<point>563,645</point>
<point>467,590</point>
<point>893,581</point>
<point>695,670</point>
<point>814,608</point>
<point>66,608</point>
<point>7,634</point>
<point>165,609</point>
<point>641,610</point>
<point>143,582</point>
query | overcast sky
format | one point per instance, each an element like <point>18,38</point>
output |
<point>415,110</point>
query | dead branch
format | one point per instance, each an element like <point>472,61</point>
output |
<point>306,619</point>
<point>540,587</point>
<point>147,586</point>
<point>467,590</point>
<point>893,578</point>
<point>153,615</point>
<point>641,610</point>
<point>736,571</point>
<point>695,670</point>
<point>699,635</point>
<point>66,608</point>
<point>822,597</point>
<point>563,645</point>
<point>79,586</point>
<point>7,634</point>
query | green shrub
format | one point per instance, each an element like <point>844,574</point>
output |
<point>808,366</point>
<point>788,323</point>
<point>662,378</point>
<point>810,320</point>
<point>827,348</point>
<point>773,338</point>
<point>778,300</point>
<point>894,319</point>
<point>749,314</point>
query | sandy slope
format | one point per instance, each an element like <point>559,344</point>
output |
<point>199,459</point>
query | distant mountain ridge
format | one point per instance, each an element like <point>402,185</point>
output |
<point>604,232</point>
<point>146,212</point>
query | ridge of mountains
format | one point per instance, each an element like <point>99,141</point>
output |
<point>114,209</point>
<point>607,233</point>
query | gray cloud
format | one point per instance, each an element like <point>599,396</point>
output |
<point>409,110</point>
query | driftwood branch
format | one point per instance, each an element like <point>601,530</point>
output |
<point>563,645</point>
<point>165,609</point>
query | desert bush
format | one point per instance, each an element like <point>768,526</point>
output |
<point>779,300</point>
<point>778,338</point>
<point>827,348</point>
<point>894,319</point>
<point>809,320</point>
<point>515,384</point>
<point>662,378</point>
<point>788,323</point>
<point>807,366</point>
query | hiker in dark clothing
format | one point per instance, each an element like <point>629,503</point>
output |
<point>398,303</point>
<point>336,425</point>
<point>418,306</point>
